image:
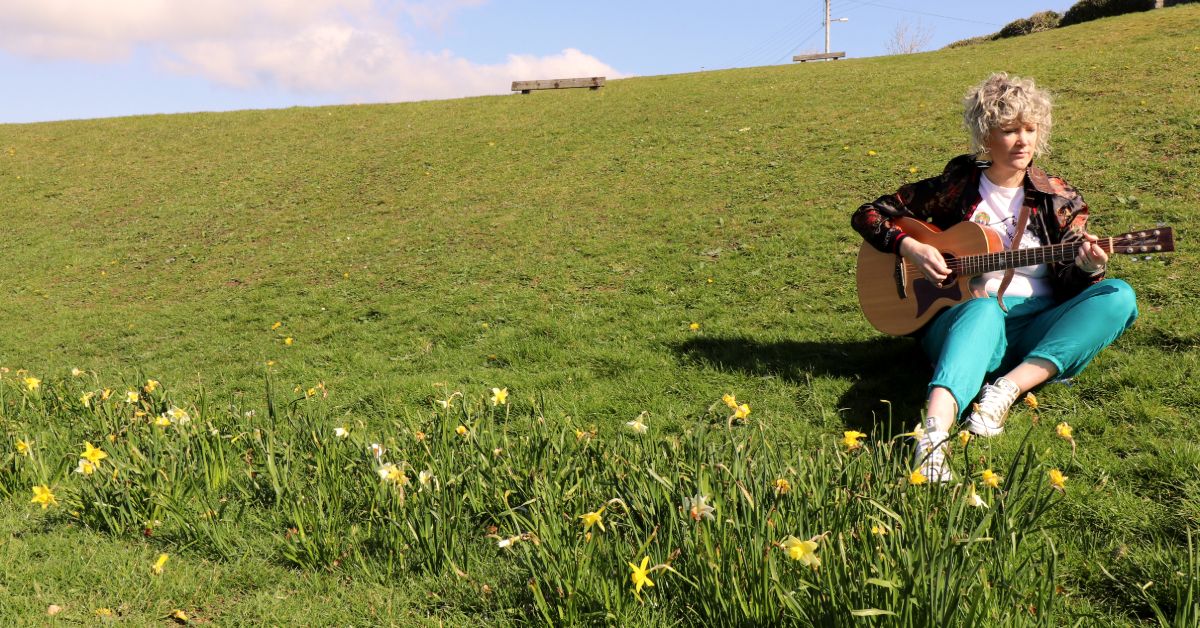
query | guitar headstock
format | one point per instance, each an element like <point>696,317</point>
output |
<point>1156,240</point>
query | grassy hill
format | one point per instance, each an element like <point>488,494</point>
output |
<point>561,245</point>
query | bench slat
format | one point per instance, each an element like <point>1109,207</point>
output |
<point>819,55</point>
<point>589,81</point>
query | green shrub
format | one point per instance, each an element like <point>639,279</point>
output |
<point>1088,10</point>
<point>1042,21</point>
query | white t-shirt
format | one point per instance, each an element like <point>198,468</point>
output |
<point>998,210</point>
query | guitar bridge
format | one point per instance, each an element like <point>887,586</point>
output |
<point>901,278</point>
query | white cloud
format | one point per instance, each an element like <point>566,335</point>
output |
<point>352,49</point>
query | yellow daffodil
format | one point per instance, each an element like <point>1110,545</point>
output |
<point>991,479</point>
<point>86,399</point>
<point>637,426</point>
<point>871,153</point>
<point>782,486</point>
<point>393,474</point>
<point>879,530</point>
<point>694,327</point>
<point>162,420</point>
<point>276,325</point>
<point>912,170</point>
<point>1064,431</point>
<point>288,341</point>
<point>23,448</point>
<point>158,565</point>
<point>178,415</point>
<point>341,432</point>
<point>179,616</point>
<point>499,396</point>
<point>92,454</point>
<point>1058,481</point>
<point>916,478</point>
<point>104,611</point>
<point>730,401</point>
<point>76,372</point>
<point>462,430</point>
<point>32,383</point>
<point>426,478</point>
<point>592,519</point>
<point>640,576</point>
<point>803,551</point>
<point>964,437</point>
<point>105,394</point>
<point>743,411</point>
<point>974,499</point>
<point>131,397</point>
<point>85,467</point>
<point>44,496</point>
<point>151,386</point>
<point>1031,401</point>
<point>850,439</point>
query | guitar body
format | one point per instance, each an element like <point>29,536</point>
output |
<point>897,300</point>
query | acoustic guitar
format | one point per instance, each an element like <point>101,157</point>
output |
<point>898,300</point>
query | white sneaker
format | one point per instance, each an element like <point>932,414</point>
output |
<point>930,457</point>
<point>987,417</point>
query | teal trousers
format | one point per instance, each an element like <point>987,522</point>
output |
<point>975,339</point>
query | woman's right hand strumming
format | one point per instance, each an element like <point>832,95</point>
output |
<point>926,258</point>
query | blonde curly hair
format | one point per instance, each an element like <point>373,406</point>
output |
<point>1000,100</point>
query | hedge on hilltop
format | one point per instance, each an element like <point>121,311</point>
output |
<point>1082,11</point>
<point>1088,10</point>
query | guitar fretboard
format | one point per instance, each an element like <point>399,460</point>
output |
<point>972,265</point>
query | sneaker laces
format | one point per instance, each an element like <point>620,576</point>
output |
<point>996,400</point>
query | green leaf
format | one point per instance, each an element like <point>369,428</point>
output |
<point>870,612</point>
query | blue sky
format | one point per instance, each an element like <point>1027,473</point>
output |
<point>69,59</point>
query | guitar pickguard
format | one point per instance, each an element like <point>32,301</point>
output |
<point>928,292</point>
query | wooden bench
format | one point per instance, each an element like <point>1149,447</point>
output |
<point>818,56</point>
<point>591,82</point>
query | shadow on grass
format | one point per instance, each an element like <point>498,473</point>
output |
<point>894,369</point>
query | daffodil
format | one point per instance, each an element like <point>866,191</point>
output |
<point>730,401</point>
<point>377,450</point>
<point>871,153</point>
<point>24,448</point>
<point>288,341</point>
<point>964,437</point>
<point>426,477</point>
<point>974,499</point>
<point>1064,431</point>
<point>158,565</point>
<point>697,507</point>
<point>162,420</point>
<point>32,383</point>
<point>341,432</point>
<point>85,467</point>
<point>104,611</point>
<point>276,325</point>
<point>640,576</point>
<point>1031,401</point>
<point>850,439</point>
<point>803,551</point>
<point>637,426</point>
<point>131,396</point>
<point>782,486</point>
<point>916,478</point>
<point>391,473</point>
<point>462,431</point>
<point>991,479</point>
<point>92,454</point>
<point>499,396</point>
<point>76,372</point>
<point>151,386</point>
<point>592,519</point>
<point>179,616</point>
<point>694,327</point>
<point>86,399</point>
<point>44,496</point>
<point>178,415</point>
<point>742,411</point>
<point>1058,481</point>
<point>508,542</point>
<point>879,530</point>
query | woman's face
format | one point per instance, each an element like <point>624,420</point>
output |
<point>1011,145</point>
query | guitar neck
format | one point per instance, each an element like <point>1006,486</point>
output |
<point>972,265</point>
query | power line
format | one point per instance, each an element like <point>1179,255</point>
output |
<point>789,53</point>
<point>773,41</point>
<point>946,17</point>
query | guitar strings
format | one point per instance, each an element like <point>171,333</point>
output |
<point>980,263</point>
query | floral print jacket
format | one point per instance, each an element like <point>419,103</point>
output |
<point>1057,213</point>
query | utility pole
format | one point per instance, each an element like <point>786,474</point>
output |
<point>827,20</point>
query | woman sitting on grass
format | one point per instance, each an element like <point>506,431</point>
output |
<point>1058,316</point>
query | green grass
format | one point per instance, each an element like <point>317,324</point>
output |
<point>559,245</point>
